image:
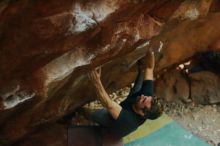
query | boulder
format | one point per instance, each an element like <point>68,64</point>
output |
<point>205,87</point>
<point>48,47</point>
<point>172,86</point>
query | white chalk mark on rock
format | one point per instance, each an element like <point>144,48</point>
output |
<point>63,66</point>
<point>160,47</point>
<point>83,20</point>
<point>87,17</point>
<point>9,93</point>
<point>143,45</point>
<point>192,14</point>
<point>16,99</point>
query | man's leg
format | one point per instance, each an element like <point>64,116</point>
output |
<point>100,116</point>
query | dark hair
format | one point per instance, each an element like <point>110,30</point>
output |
<point>155,110</point>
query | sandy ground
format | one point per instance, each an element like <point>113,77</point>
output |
<point>202,120</point>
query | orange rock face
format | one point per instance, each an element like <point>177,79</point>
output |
<point>48,47</point>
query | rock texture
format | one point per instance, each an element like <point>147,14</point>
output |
<point>173,85</point>
<point>199,87</point>
<point>205,87</point>
<point>48,47</point>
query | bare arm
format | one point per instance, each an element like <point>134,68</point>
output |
<point>113,108</point>
<point>149,69</point>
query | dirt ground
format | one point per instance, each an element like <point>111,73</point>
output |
<point>202,120</point>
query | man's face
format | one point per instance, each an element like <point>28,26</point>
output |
<point>144,102</point>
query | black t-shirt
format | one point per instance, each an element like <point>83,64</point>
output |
<point>128,121</point>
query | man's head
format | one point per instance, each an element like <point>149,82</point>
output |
<point>148,107</point>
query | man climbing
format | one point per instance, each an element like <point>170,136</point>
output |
<point>124,118</point>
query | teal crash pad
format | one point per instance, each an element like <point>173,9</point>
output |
<point>171,134</point>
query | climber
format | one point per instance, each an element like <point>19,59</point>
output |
<point>123,118</point>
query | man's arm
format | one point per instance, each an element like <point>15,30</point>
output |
<point>149,68</point>
<point>147,87</point>
<point>138,81</point>
<point>113,108</point>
